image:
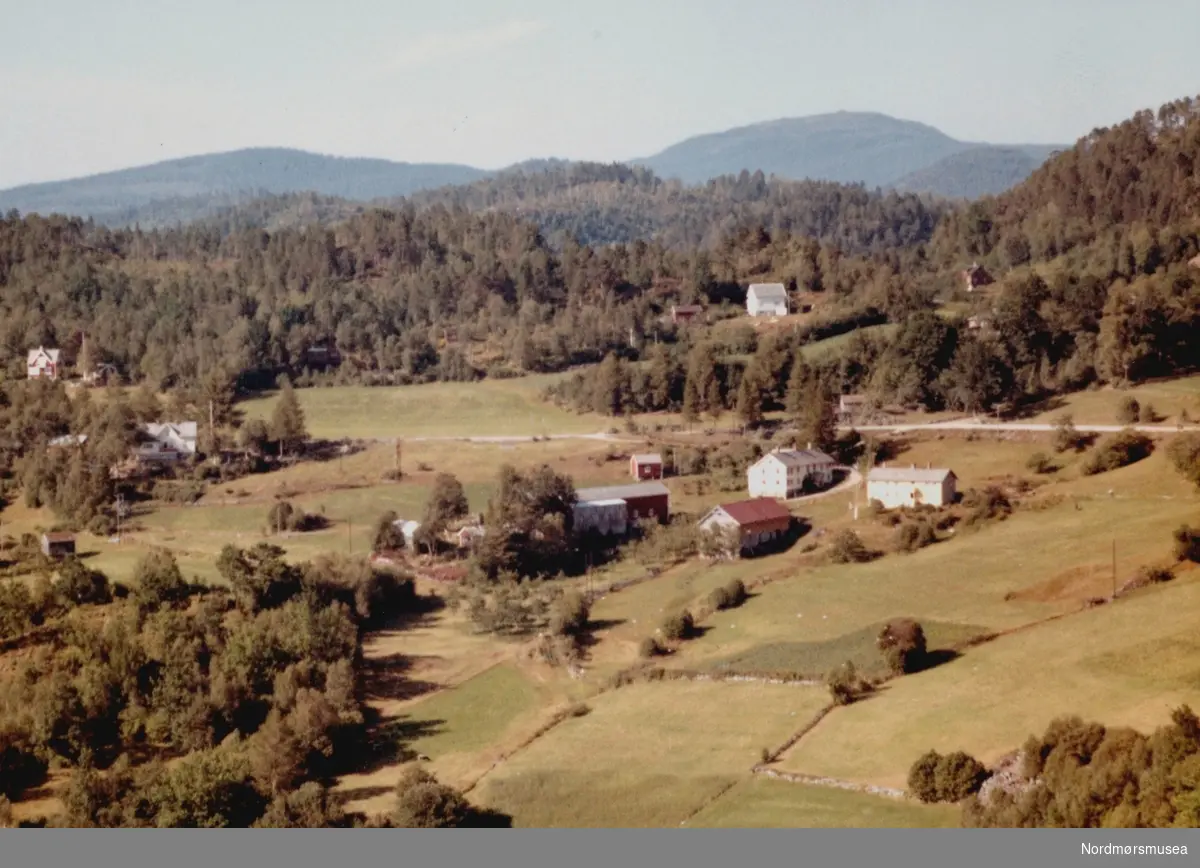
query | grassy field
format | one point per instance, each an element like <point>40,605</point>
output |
<point>816,659</point>
<point>1170,398</point>
<point>1033,565</point>
<point>1125,664</point>
<point>646,755</point>
<point>494,407</point>
<point>835,344</point>
<point>763,803</point>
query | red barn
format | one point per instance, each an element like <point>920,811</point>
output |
<point>646,466</point>
<point>642,500</point>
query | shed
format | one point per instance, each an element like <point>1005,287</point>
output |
<point>647,465</point>
<point>58,545</point>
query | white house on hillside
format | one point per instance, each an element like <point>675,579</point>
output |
<point>167,441</point>
<point>766,299</point>
<point>42,364</point>
<point>911,486</point>
<point>782,473</point>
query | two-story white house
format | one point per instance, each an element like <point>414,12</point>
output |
<point>783,472</point>
<point>911,486</point>
<point>767,299</point>
<point>42,364</point>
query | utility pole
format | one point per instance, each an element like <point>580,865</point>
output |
<point>349,536</point>
<point>120,509</point>
<point>212,427</point>
<point>396,458</point>
<point>1114,569</point>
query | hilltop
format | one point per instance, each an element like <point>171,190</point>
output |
<point>849,147</point>
<point>846,147</point>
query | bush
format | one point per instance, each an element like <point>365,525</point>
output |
<point>729,596</point>
<point>1184,452</point>
<point>959,775</point>
<point>950,778</point>
<point>16,609</point>
<point>387,536</point>
<point>902,643</point>
<point>922,777</point>
<point>718,599</point>
<point>79,585</point>
<point>1040,462</point>
<point>649,648</point>
<point>569,615</point>
<point>1066,436</point>
<point>1119,450</point>
<point>1128,411</point>
<point>991,504</point>
<point>159,581</point>
<point>423,803</point>
<point>845,685</point>
<point>915,535</point>
<point>848,548</point>
<point>1148,414</point>
<point>679,627</point>
<point>1187,543</point>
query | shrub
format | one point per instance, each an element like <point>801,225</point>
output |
<point>649,648</point>
<point>1040,462</point>
<point>679,627</point>
<point>845,685</point>
<point>1066,435</point>
<point>950,778</point>
<point>1187,544</point>
<point>1128,411</point>
<point>79,585</point>
<point>902,643</point>
<point>159,581</point>
<point>736,590</point>
<point>959,775</point>
<point>922,777</point>
<point>569,615</point>
<point>915,535</point>
<point>387,536</point>
<point>16,609</point>
<point>1184,452</point>
<point>1148,414</point>
<point>988,505</point>
<point>1119,450</point>
<point>719,599</point>
<point>848,548</point>
<point>423,803</point>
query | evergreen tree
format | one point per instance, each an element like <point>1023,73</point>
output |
<point>287,421</point>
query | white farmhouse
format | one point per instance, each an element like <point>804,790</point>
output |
<point>166,442</point>
<point>766,299</point>
<point>42,364</point>
<point>783,472</point>
<point>911,486</point>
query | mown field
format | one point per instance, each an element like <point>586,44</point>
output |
<point>491,408</point>
<point>647,755</point>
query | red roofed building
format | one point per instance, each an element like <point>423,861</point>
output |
<point>755,522</point>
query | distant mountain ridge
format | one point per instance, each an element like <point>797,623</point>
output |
<point>843,147</point>
<point>852,147</point>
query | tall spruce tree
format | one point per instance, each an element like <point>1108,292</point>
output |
<point>287,421</point>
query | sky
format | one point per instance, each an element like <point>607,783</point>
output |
<point>90,86</point>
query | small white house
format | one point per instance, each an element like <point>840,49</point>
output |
<point>783,472</point>
<point>911,486</point>
<point>767,299</point>
<point>42,364</point>
<point>167,442</point>
<point>608,517</point>
<point>409,528</point>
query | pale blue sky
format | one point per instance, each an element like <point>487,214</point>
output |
<point>93,85</point>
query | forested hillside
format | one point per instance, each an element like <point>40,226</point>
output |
<point>406,295</point>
